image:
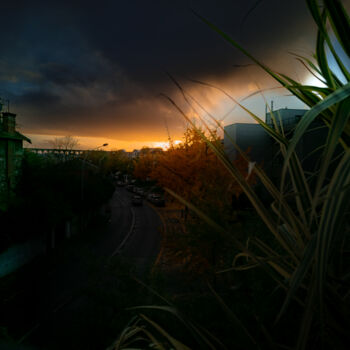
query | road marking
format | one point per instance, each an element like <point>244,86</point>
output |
<point>131,230</point>
<point>127,236</point>
<point>25,336</point>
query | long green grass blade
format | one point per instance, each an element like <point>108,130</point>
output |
<point>175,342</point>
<point>339,122</point>
<point>306,324</point>
<point>322,58</point>
<point>331,12</point>
<point>340,23</point>
<point>231,315</point>
<point>313,69</point>
<point>200,337</point>
<point>299,274</point>
<point>334,212</point>
<point>336,97</point>
<point>310,69</point>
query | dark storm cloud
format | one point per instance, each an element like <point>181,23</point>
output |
<point>40,98</point>
<point>94,66</point>
<point>61,74</point>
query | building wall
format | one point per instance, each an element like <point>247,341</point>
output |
<point>249,137</point>
<point>11,155</point>
<point>266,151</point>
<point>15,156</point>
<point>289,117</point>
<point>3,170</point>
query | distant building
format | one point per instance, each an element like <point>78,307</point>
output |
<point>134,154</point>
<point>150,150</point>
<point>289,117</point>
<point>264,150</point>
<point>249,137</point>
<point>145,150</point>
<point>11,153</point>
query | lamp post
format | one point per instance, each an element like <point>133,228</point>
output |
<point>83,167</point>
<point>82,174</point>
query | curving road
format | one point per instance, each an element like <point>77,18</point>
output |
<point>143,244</point>
<point>132,233</point>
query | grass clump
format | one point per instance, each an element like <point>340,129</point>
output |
<point>301,269</point>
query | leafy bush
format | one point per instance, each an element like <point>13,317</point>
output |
<point>48,194</point>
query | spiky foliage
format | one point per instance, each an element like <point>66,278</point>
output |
<point>309,216</point>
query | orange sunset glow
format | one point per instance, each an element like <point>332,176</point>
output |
<point>175,175</point>
<point>43,141</point>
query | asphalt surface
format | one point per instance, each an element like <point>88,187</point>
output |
<point>143,245</point>
<point>75,310</point>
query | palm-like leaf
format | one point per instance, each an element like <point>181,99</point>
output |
<point>307,216</point>
<point>322,216</point>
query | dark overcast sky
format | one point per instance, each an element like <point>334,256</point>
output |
<point>96,68</point>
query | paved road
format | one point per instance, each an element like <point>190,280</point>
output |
<point>133,235</point>
<point>143,245</point>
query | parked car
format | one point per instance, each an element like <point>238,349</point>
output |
<point>120,183</point>
<point>156,199</point>
<point>139,191</point>
<point>150,196</point>
<point>142,193</point>
<point>136,189</point>
<point>130,188</point>
<point>159,201</point>
<point>136,200</point>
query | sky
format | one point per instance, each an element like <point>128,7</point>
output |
<point>99,71</point>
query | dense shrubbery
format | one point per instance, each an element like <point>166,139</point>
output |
<point>48,194</point>
<point>193,171</point>
<point>110,162</point>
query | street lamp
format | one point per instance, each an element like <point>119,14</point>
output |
<point>83,167</point>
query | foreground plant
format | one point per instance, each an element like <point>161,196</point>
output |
<point>308,255</point>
